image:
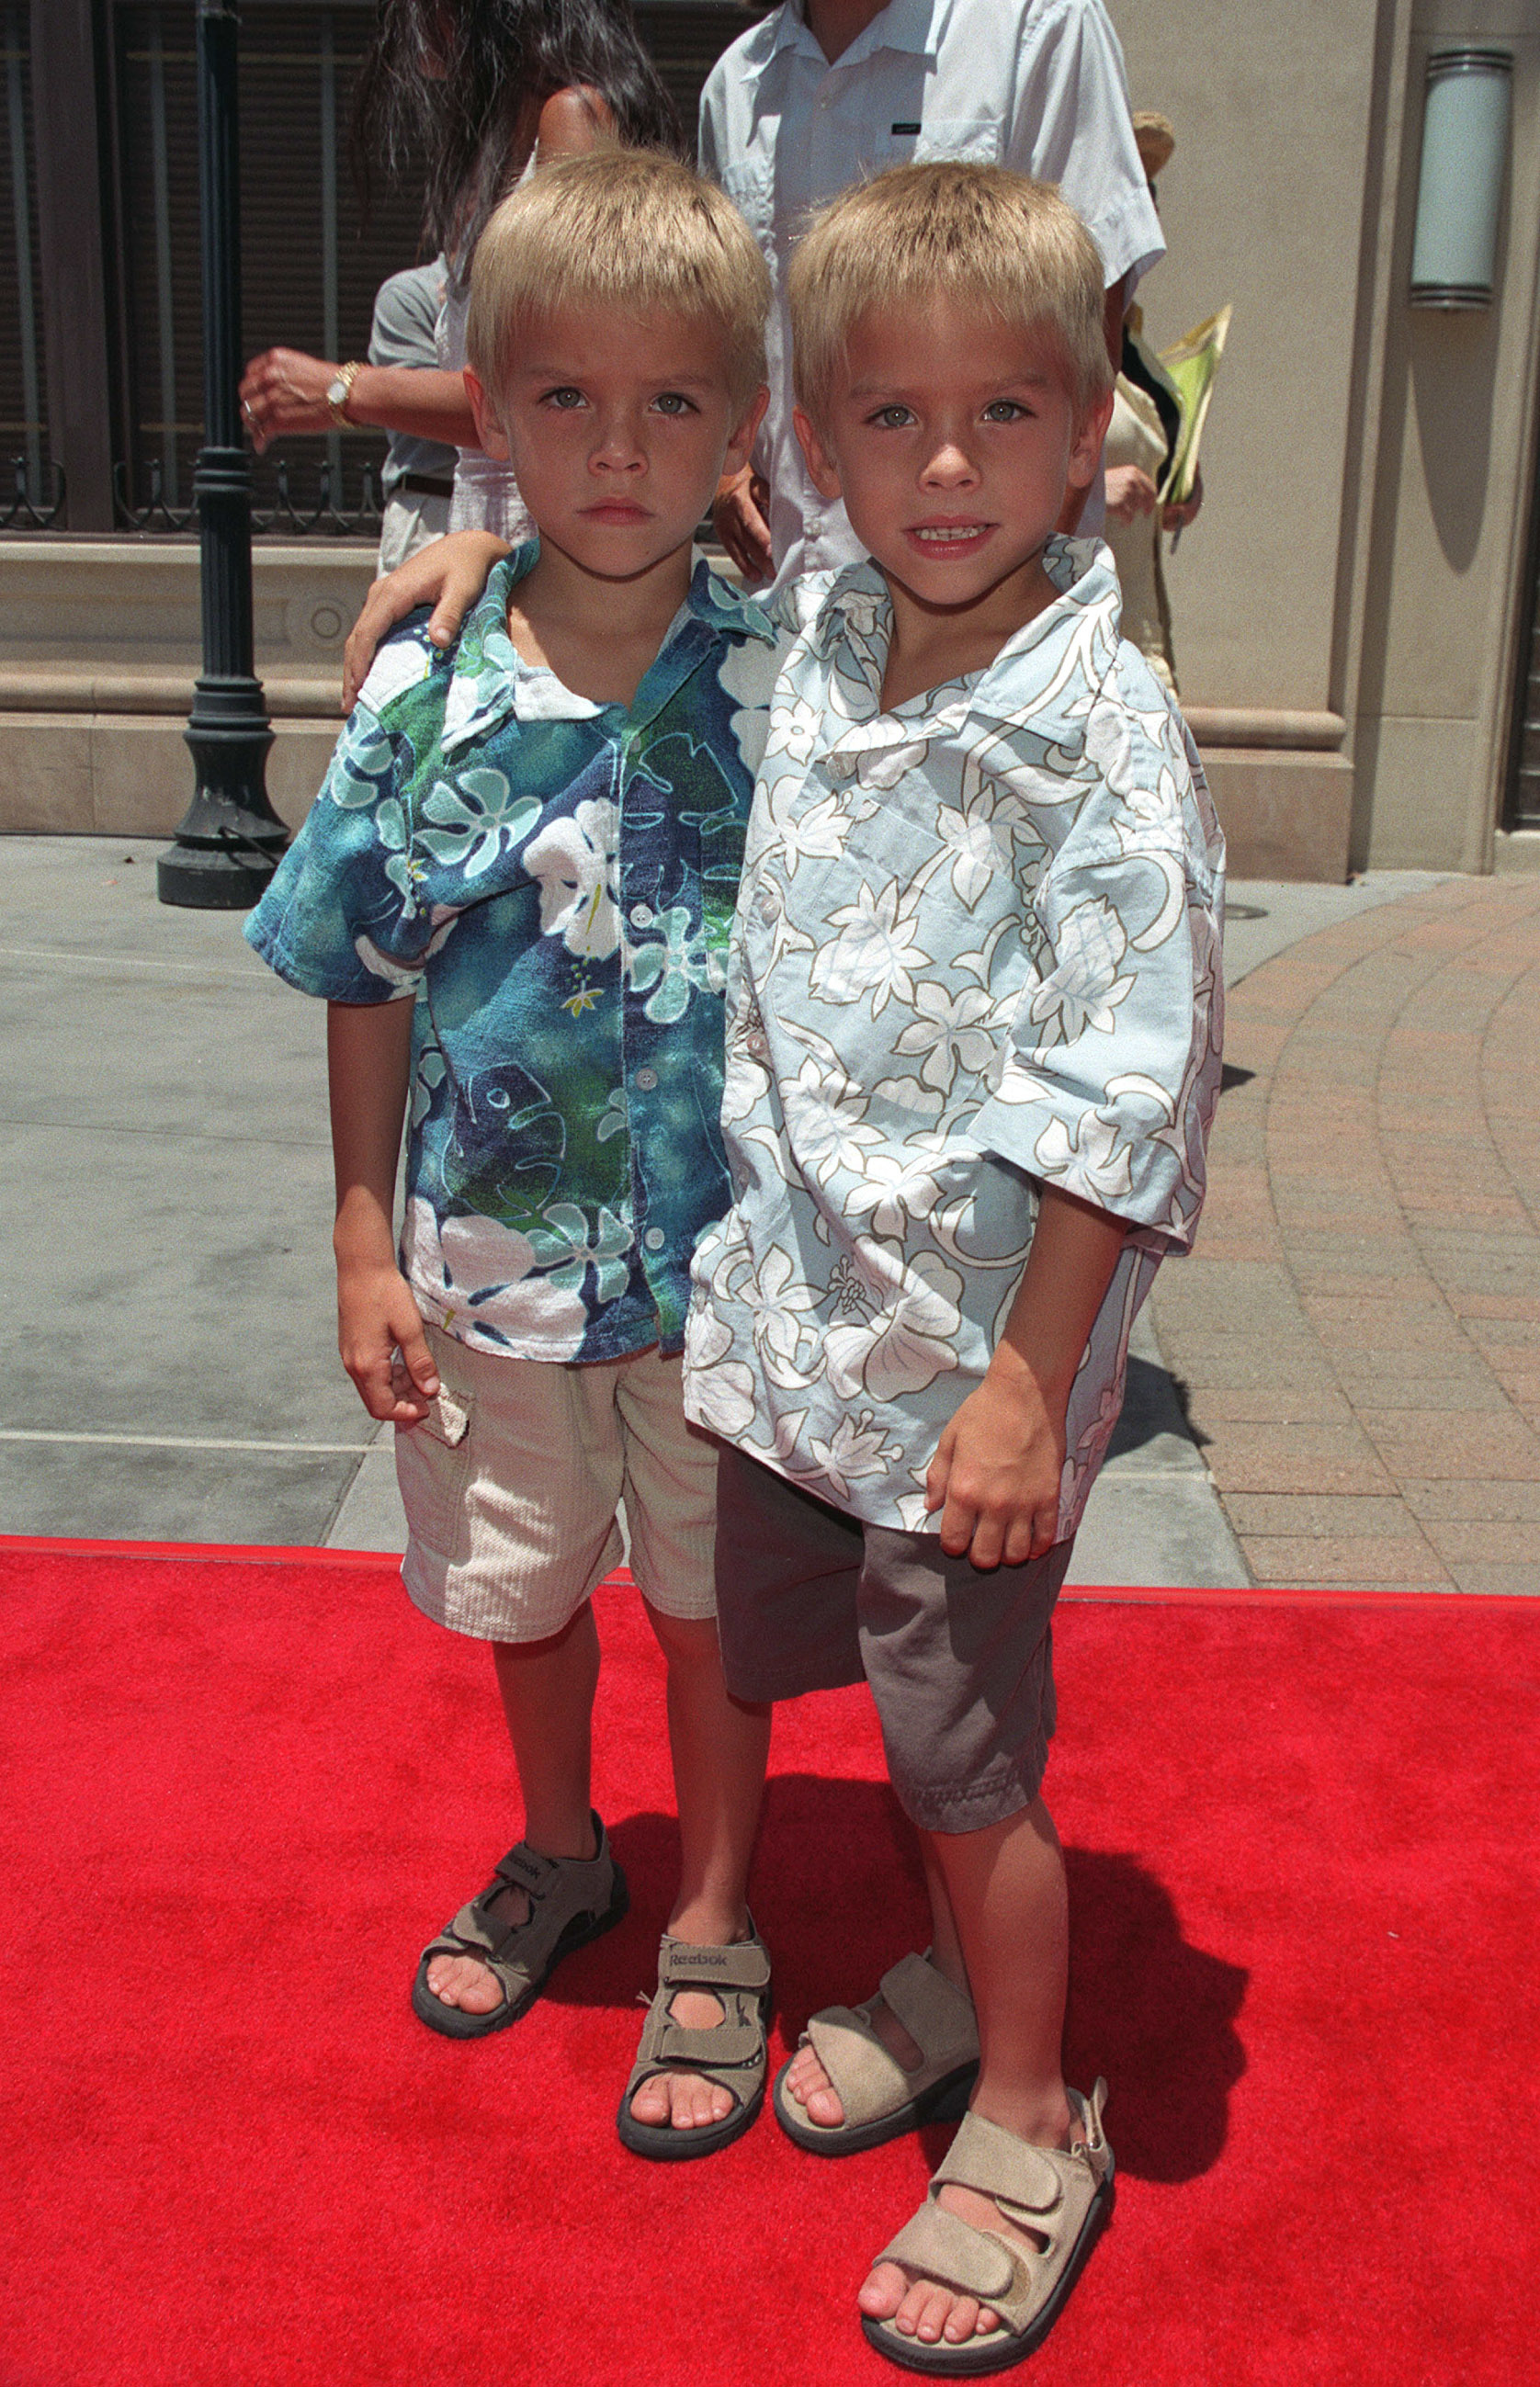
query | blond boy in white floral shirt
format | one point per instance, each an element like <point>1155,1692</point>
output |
<point>973,1050</point>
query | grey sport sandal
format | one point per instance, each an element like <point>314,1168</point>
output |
<point>1060,2194</point>
<point>572,1900</point>
<point>881,2100</point>
<point>734,2054</point>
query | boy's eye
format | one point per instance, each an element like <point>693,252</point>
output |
<point>891,418</point>
<point>1004,409</point>
<point>565,396</point>
<point>673,401</point>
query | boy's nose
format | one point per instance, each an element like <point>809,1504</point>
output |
<point>618,449</point>
<point>950,466</point>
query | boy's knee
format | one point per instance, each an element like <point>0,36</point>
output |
<point>685,1640</point>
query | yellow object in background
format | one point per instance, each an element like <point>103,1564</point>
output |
<point>1192,364</point>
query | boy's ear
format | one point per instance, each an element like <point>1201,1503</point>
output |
<point>820,463</point>
<point>489,430</point>
<point>740,446</point>
<point>1085,447</point>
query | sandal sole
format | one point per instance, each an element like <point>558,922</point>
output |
<point>944,2101</point>
<point>452,2022</point>
<point>661,2145</point>
<point>981,2360</point>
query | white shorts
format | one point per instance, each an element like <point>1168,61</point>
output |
<point>512,1483</point>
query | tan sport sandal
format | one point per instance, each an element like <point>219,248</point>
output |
<point>1061,2194</point>
<point>572,1900</point>
<point>733,2054</point>
<point>881,2100</point>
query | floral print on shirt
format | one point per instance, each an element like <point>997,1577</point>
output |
<point>977,950</point>
<point>553,880</point>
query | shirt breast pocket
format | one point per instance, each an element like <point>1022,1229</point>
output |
<point>970,140</point>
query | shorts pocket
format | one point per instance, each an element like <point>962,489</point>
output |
<point>432,1466</point>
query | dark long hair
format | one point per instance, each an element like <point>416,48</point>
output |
<point>475,124</point>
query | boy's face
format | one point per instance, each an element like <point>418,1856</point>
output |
<point>618,429</point>
<point>954,439</point>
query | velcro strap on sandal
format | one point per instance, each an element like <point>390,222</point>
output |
<point>744,1966</point>
<point>523,1868</point>
<point>868,2080</point>
<point>729,2044</point>
<point>938,2017</point>
<point>935,2244</point>
<point>997,2164</point>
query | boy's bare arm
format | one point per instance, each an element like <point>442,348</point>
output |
<point>379,1326</point>
<point>995,1475</point>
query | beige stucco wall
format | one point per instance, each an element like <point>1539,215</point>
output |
<point>1447,547</point>
<point>1368,463</point>
<point>1262,206</point>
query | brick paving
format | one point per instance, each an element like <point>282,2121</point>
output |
<point>1358,1332</point>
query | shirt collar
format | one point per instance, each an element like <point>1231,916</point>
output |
<point>1042,682</point>
<point>903,25</point>
<point>491,681</point>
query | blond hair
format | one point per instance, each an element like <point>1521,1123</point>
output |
<point>628,232</point>
<point>976,234</point>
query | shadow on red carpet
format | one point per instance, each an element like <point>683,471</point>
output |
<point>239,1794</point>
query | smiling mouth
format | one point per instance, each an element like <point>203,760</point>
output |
<point>948,533</point>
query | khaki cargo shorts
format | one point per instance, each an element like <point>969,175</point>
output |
<point>512,1483</point>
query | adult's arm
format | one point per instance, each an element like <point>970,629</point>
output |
<point>284,391</point>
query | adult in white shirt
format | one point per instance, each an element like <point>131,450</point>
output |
<point>826,91</point>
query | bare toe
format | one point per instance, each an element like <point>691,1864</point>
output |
<point>651,2103</point>
<point>882,2292</point>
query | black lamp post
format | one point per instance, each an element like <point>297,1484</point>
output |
<point>229,845</point>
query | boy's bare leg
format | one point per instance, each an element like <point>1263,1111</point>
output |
<point>719,1746</point>
<point>1005,1886</point>
<point>548,1696</point>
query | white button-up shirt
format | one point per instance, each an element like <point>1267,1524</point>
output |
<point>977,950</point>
<point>1034,85</point>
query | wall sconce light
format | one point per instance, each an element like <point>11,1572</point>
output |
<point>1460,183</point>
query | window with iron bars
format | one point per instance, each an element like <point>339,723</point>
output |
<point>310,263</point>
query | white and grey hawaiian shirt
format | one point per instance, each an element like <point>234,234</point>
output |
<point>976,951</point>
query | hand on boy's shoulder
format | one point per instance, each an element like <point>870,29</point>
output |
<point>404,660</point>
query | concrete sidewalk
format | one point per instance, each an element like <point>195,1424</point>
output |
<point>167,1317</point>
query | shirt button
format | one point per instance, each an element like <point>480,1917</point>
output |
<point>765,904</point>
<point>757,1044</point>
<point>641,916</point>
<point>654,1238</point>
<point>646,1080</point>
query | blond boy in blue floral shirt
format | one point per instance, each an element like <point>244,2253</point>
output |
<point>514,892</point>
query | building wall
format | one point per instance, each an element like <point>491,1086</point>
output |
<point>1368,464</point>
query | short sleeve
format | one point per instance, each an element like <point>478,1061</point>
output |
<point>1071,126</point>
<point>339,918</point>
<point>1112,1064</point>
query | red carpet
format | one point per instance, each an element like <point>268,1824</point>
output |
<point>239,1794</point>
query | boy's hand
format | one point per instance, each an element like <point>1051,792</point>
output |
<point>995,1475</point>
<point>737,510</point>
<point>383,1345</point>
<point>448,574</point>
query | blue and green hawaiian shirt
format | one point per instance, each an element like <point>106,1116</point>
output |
<point>554,881</point>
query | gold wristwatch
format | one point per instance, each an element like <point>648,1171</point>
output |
<point>337,392</point>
